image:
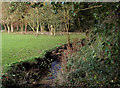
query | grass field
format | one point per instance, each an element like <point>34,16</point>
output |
<point>17,47</point>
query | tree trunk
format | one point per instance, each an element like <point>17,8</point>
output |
<point>22,27</point>
<point>51,31</point>
<point>54,31</point>
<point>42,29</point>
<point>5,27</point>
<point>8,28</point>
<point>68,37</point>
<point>37,29</point>
<point>67,27</point>
<point>78,21</point>
<point>11,27</point>
<point>33,29</point>
<point>37,21</point>
<point>17,28</point>
<point>48,28</point>
<point>26,27</point>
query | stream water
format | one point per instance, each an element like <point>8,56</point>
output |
<point>55,68</point>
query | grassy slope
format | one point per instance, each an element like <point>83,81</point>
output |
<point>17,47</point>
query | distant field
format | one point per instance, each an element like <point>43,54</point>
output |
<point>17,47</point>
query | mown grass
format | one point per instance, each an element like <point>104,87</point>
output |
<point>17,47</point>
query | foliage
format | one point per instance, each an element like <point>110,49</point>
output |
<point>63,16</point>
<point>97,63</point>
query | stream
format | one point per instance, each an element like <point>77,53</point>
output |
<point>53,72</point>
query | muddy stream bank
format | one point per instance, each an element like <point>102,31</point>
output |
<point>41,72</point>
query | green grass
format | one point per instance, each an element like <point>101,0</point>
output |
<point>17,47</point>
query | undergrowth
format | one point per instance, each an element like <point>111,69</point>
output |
<point>95,61</point>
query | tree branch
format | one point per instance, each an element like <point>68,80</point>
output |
<point>89,8</point>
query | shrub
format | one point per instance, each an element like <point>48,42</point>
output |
<point>96,64</point>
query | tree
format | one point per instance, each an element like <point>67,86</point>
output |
<point>20,11</point>
<point>32,18</point>
<point>6,15</point>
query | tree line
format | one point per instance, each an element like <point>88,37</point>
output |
<point>52,16</point>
